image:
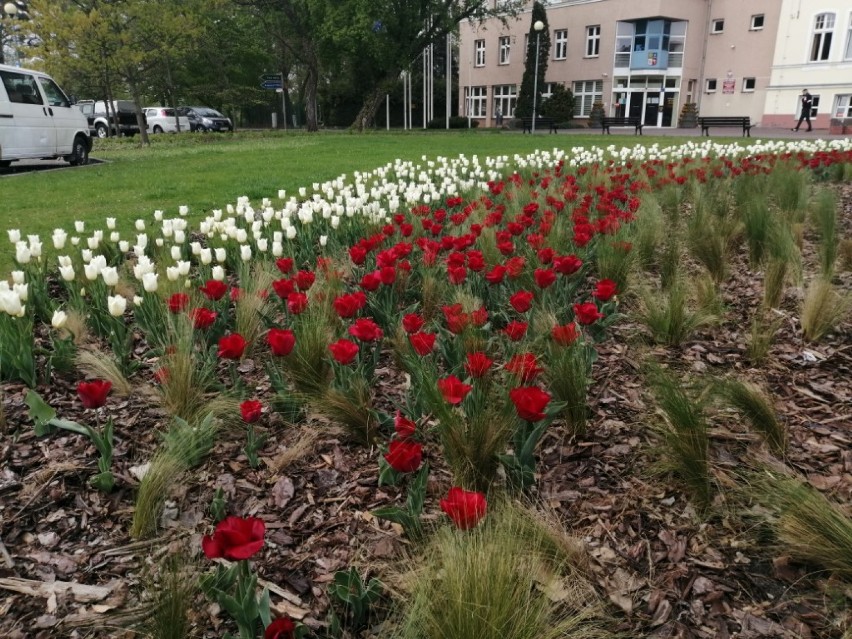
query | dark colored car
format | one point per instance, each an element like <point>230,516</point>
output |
<point>206,119</point>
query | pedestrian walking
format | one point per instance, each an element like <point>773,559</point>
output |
<point>807,102</point>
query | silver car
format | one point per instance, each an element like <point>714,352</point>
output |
<point>164,120</point>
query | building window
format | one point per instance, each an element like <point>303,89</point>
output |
<point>710,85</point>
<point>843,106</point>
<point>748,85</point>
<point>505,49</point>
<point>560,41</point>
<point>479,53</point>
<point>505,99</point>
<point>756,22</point>
<point>593,41</point>
<point>717,26</point>
<point>586,93</point>
<point>847,52</point>
<point>477,101</point>
<point>823,30</point>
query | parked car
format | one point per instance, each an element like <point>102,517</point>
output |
<point>38,121</point>
<point>164,120</point>
<point>206,119</point>
<point>102,122</point>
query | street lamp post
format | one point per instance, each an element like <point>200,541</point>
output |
<point>10,10</point>
<point>538,26</point>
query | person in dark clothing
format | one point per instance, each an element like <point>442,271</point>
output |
<point>807,101</point>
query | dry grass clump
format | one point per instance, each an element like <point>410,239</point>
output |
<point>761,335</point>
<point>807,524</point>
<point>755,406</point>
<point>682,430</point>
<point>669,316</point>
<point>249,308</point>
<point>93,362</point>
<point>823,309</point>
<point>844,248</point>
<point>171,597</point>
<point>825,220</point>
<point>509,578</point>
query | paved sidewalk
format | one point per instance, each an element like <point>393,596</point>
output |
<point>757,133</point>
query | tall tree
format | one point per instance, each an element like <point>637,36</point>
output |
<point>536,40</point>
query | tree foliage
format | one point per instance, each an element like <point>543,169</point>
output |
<point>560,104</point>
<point>540,40</point>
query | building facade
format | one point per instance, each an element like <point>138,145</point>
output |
<point>647,59</point>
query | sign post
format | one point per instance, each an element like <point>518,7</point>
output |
<point>275,81</point>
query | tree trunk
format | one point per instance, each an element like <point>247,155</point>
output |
<point>140,118</point>
<point>311,99</point>
<point>367,115</point>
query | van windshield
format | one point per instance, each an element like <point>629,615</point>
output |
<point>21,87</point>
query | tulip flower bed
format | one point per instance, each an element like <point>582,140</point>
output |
<point>271,418</point>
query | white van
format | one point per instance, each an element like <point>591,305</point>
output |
<point>38,121</point>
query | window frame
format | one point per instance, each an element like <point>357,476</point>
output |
<point>753,27</point>
<point>838,104</point>
<point>504,50</point>
<point>593,41</point>
<point>583,89</point>
<point>560,43</point>
<point>822,37</point>
<point>504,95</point>
<point>476,101</point>
<point>749,89</point>
<point>707,87</point>
<point>479,53</point>
<point>847,50</point>
<point>717,26</point>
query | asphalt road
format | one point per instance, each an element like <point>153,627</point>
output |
<point>30,166</point>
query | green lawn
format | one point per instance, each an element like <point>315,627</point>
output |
<point>209,171</point>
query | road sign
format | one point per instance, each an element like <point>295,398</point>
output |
<point>271,84</point>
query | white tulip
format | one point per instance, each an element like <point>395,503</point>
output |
<point>110,275</point>
<point>137,300</point>
<point>263,245</point>
<point>59,319</point>
<point>92,271</point>
<point>183,209</point>
<point>180,236</point>
<point>116,304</point>
<point>67,273</point>
<point>22,254</point>
<point>93,242</point>
<point>282,194</point>
<point>59,237</point>
<point>218,273</point>
<point>149,282</point>
<point>18,277</point>
<point>221,254</point>
<point>277,249</point>
<point>22,290</point>
<point>10,303</point>
<point>245,252</point>
<point>99,234</point>
<point>79,226</point>
<point>195,247</point>
<point>158,216</point>
<point>75,241</point>
<point>176,253</point>
<point>168,228</point>
<point>323,240</point>
<point>14,235</point>
<point>183,267</point>
<point>172,273</point>
<point>142,241</point>
<point>241,236</point>
<point>86,255</point>
<point>124,246</point>
<point>205,255</point>
<point>291,232</point>
<point>110,223</point>
<point>159,242</point>
<point>140,225</point>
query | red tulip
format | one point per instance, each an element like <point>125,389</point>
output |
<point>283,287</point>
<point>178,302</point>
<point>214,289</point>
<point>587,313</point>
<point>524,367</point>
<point>479,317</point>
<point>232,346</point>
<point>521,301</point>
<point>343,351</point>
<point>250,410</point>
<point>477,364</point>
<point>347,306</point>
<point>465,508</point>
<point>456,274</point>
<point>284,264</point>
<point>530,402</point>
<point>93,394</point>
<point>404,455</point>
<point>422,343</point>
<point>453,389</point>
<point>371,282</point>
<point>305,280</point>
<point>358,255</point>
<point>567,265</point>
<point>366,330</point>
<point>515,331</point>
<point>202,318</point>
<point>281,341</point>
<point>235,538</point>
<point>403,426</point>
<point>281,628</point>
<point>496,274</point>
<point>544,277</point>
<point>412,323</point>
<point>604,290</point>
<point>297,303</point>
<point>565,334</point>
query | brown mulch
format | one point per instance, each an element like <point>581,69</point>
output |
<point>667,571</point>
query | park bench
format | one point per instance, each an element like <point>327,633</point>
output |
<point>540,124</point>
<point>726,120</point>
<point>635,122</point>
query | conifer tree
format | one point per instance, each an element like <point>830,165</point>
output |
<point>524,107</point>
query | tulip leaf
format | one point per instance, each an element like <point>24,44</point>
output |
<point>40,413</point>
<point>263,608</point>
<point>417,492</point>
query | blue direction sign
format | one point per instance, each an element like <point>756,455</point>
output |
<point>271,81</point>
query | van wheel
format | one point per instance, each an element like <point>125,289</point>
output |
<point>5,164</point>
<point>80,152</point>
<point>158,129</point>
<point>102,130</point>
